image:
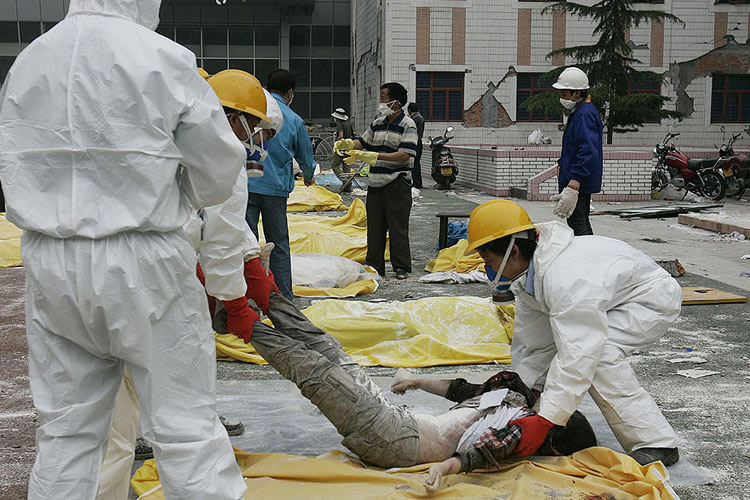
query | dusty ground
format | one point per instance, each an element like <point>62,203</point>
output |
<point>710,413</point>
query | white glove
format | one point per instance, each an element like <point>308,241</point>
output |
<point>566,202</point>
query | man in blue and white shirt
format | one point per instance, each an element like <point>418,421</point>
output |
<point>389,144</point>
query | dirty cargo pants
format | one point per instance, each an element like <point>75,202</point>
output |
<point>379,432</point>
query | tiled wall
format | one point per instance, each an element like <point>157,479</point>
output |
<point>492,52</point>
<point>626,177</point>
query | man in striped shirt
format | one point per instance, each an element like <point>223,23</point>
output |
<point>389,145</point>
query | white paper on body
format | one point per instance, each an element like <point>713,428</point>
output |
<point>492,399</point>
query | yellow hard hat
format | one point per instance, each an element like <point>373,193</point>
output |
<point>204,74</point>
<point>240,90</point>
<point>494,219</point>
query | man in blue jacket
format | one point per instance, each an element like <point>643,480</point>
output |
<point>268,194</point>
<point>581,158</point>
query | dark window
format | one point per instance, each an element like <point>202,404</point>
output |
<point>263,68</point>
<point>8,32</point>
<point>30,30</point>
<point>730,99</point>
<point>320,105</point>
<point>301,70</point>
<point>301,104</point>
<point>321,72</point>
<point>243,64</point>
<point>165,30</point>
<point>213,66</point>
<point>528,85</point>
<point>299,41</point>
<point>5,63</point>
<point>440,96</point>
<point>645,86</point>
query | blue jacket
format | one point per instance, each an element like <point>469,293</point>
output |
<point>582,158</point>
<point>291,141</point>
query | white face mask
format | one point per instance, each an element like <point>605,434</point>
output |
<point>384,108</point>
<point>568,104</point>
<point>291,99</point>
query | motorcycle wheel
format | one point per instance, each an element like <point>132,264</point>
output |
<point>714,186</point>
<point>741,190</point>
<point>659,180</point>
<point>444,183</point>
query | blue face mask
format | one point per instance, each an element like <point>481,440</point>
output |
<point>491,273</point>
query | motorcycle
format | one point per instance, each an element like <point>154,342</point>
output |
<point>444,168</point>
<point>731,167</point>
<point>698,176</point>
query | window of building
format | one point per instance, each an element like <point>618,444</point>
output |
<point>255,50</point>
<point>319,59</point>
<point>440,95</point>
<point>645,86</point>
<point>730,99</point>
<point>528,85</point>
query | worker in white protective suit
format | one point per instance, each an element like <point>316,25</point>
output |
<point>223,242</point>
<point>109,139</point>
<point>583,304</point>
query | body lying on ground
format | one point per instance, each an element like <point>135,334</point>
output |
<point>388,435</point>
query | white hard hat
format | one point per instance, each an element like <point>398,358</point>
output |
<point>572,79</point>
<point>340,113</point>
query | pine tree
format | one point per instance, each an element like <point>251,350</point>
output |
<point>609,64</point>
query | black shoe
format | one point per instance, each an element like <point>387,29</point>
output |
<point>233,428</point>
<point>400,274</point>
<point>143,450</point>
<point>667,456</point>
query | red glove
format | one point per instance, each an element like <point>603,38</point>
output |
<point>240,318</point>
<point>533,431</point>
<point>211,300</point>
<point>259,284</point>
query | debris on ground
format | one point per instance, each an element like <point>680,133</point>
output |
<point>655,240</point>
<point>696,373</point>
<point>693,359</point>
<point>658,211</point>
<point>698,295</point>
<point>673,267</point>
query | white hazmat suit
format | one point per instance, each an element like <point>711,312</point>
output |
<point>109,140</point>
<point>595,300</point>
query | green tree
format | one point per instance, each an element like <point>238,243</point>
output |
<point>609,65</point>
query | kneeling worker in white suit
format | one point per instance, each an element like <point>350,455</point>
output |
<point>108,139</point>
<point>583,304</point>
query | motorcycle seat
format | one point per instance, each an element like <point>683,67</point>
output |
<point>701,163</point>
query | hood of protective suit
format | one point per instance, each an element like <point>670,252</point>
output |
<point>273,112</point>
<point>143,12</point>
<point>554,237</point>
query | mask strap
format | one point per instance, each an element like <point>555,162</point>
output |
<point>246,126</point>
<point>500,270</point>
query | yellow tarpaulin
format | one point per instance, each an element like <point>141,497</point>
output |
<point>313,199</point>
<point>425,332</point>
<point>345,236</point>
<point>592,474</point>
<point>10,243</point>
<point>453,259</point>
<point>352,290</point>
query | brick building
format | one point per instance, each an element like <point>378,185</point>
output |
<point>470,63</point>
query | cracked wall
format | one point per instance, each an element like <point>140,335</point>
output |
<point>732,58</point>
<point>487,111</point>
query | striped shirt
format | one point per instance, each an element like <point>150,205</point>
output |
<point>389,137</point>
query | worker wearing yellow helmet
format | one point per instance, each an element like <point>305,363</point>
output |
<point>583,304</point>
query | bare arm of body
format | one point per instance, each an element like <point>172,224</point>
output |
<point>437,471</point>
<point>434,386</point>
